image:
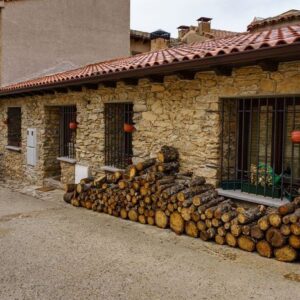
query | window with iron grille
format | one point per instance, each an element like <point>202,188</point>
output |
<point>14,124</point>
<point>118,143</point>
<point>258,154</point>
<point>67,131</point>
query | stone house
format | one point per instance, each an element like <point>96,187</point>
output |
<point>72,33</point>
<point>229,106</point>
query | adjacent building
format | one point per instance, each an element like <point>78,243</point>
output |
<point>40,37</point>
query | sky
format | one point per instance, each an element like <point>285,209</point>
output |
<point>233,15</point>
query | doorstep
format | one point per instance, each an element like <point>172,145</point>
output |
<point>239,195</point>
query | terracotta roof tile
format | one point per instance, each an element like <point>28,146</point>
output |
<point>236,44</point>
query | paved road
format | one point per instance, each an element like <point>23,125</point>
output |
<point>49,250</point>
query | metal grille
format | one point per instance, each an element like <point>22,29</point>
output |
<point>67,136</point>
<point>257,153</point>
<point>14,126</point>
<point>118,144</point>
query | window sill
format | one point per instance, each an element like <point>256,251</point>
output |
<point>111,169</point>
<point>71,161</point>
<point>13,148</point>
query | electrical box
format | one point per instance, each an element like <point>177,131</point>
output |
<point>31,147</point>
<point>81,172</point>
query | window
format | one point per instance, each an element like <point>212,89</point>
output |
<point>258,155</point>
<point>14,126</point>
<point>67,131</point>
<point>118,143</point>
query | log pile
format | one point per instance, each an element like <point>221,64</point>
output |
<point>154,192</point>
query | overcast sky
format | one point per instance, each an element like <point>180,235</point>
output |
<point>234,15</point>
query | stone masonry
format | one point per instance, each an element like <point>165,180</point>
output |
<point>182,113</point>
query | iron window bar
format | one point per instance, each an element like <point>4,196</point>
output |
<point>257,154</point>
<point>67,135</point>
<point>14,126</point>
<point>118,143</point>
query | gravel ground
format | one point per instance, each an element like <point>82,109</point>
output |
<point>50,250</point>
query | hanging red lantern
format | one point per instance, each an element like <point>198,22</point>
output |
<point>295,136</point>
<point>5,121</point>
<point>72,125</point>
<point>128,128</point>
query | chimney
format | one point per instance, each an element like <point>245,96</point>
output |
<point>182,31</point>
<point>204,25</point>
<point>160,39</point>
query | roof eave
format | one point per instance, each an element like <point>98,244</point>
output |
<point>279,53</point>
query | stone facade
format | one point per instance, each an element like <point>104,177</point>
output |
<point>182,113</point>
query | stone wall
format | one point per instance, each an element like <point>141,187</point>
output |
<point>182,113</point>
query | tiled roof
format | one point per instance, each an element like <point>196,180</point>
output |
<point>290,15</point>
<point>217,48</point>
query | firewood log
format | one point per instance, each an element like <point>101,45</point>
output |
<point>170,167</point>
<point>131,171</point>
<point>256,232</point>
<point>264,248</point>
<point>161,220</point>
<point>221,231</point>
<point>285,229</point>
<point>142,219</point>
<point>68,197</point>
<point>70,187</point>
<point>275,237</point>
<point>295,228</point>
<point>220,240</point>
<point>177,222</point>
<point>246,229</point>
<point>197,180</point>
<point>133,215</point>
<point>287,208</point>
<point>186,214</point>
<point>251,214</point>
<point>145,164</point>
<point>294,241</point>
<point>208,223</point>
<point>216,222</point>
<point>286,253</point>
<point>172,190</point>
<point>236,230</point>
<point>123,213</point>
<point>191,229</point>
<point>167,154</point>
<point>246,243</point>
<point>75,202</point>
<point>204,235</point>
<point>223,207</point>
<point>211,232</point>
<point>99,181</point>
<point>292,218</point>
<point>150,220</point>
<point>192,191</point>
<point>230,240</point>
<point>204,207</point>
<point>228,216</point>
<point>264,223</point>
<point>195,216</point>
<point>205,197</point>
<point>83,187</point>
<point>201,226</point>
<point>275,219</point>
<point>165,180</point>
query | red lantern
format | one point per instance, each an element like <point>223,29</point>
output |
<point>5,121</point>
<point>128,128</point>
<point>295,136</point>
<point>73,125</point>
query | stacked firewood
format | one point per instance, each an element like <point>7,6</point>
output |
<point>154,192</point>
